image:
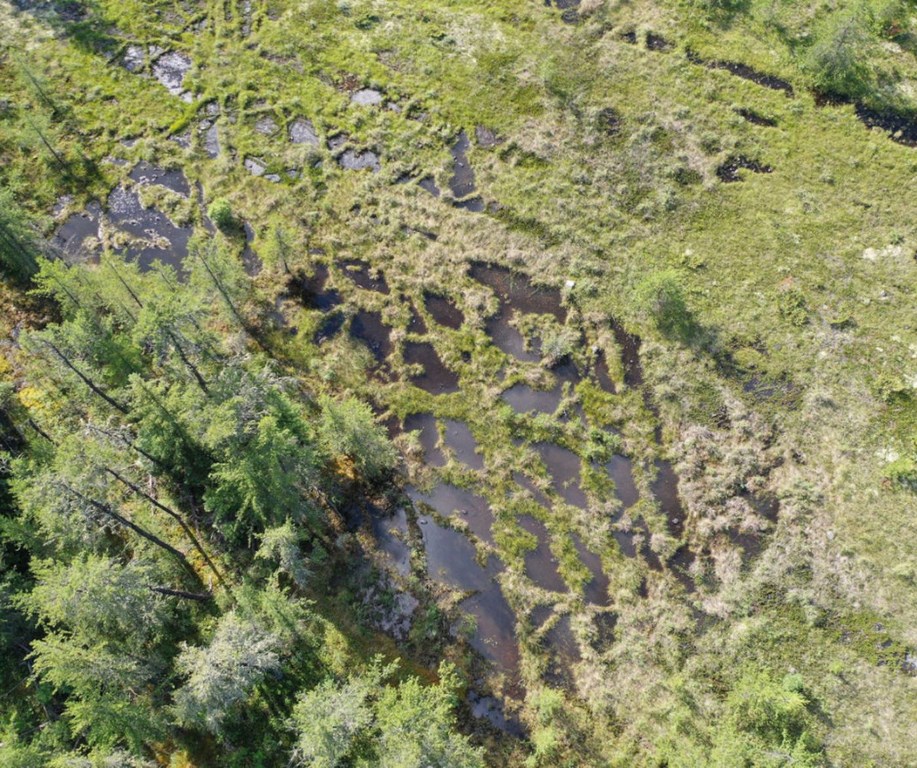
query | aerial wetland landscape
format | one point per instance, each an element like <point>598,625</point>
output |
<point>446,383</point>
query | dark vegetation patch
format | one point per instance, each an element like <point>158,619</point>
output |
<point>729,171</point>
<point>658,43</point>
<point>745,72</point>
<point>755,118</point>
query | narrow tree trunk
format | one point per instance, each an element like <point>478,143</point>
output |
<point>106,510</point>
<point>174,515</point>
<point>97,390</point>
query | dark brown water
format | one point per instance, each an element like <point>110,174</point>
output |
<point>540,565</point>
<point>596,591</point>
<point>564,469</point>
<point>451,558</point>
<point>517,292</point>
<point>524,481</point>
<point>361,273</point>
<point>369,328</point>
<point>602,374</point>
<point>665,489</point>
<point>462,182</point>
<point>451,561</point>
<point>524,399</point>
<point>462,443</point>
<point>629,345</point>
<point>495,636</point>
<point>444,312</point>
<point>507,339</point>
<point>620,469</point>
<point>459,504</point>
<point>391,534</point>
<point>563,653</point>
<point>144,173</point>
<point>312,290</point>
<point>157,238</point>
<point>425,424</point>
<point>436,377</point>
<point>75,230</point>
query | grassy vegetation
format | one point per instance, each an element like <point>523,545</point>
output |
<point>778,351</point>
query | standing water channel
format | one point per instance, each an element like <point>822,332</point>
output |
<point>457,522</point>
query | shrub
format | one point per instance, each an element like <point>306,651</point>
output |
<point>220,213</point>
<point>660,298</point>
<point>838,61</point>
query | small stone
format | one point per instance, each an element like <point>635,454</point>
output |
<point>266,126</point>
<point>303,132</point>
<point>366,97</point>
<point>255,167</point>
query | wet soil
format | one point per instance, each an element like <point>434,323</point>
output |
<point>251,262</point>
<point>658,43</point>
<point>428,184</point>
<point>491,709</point>
<point>609,121</point>
<point>486,138</point>
<point>462,182</point>
<point>900,129</point>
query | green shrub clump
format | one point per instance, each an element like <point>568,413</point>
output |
<point>220,213</point>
